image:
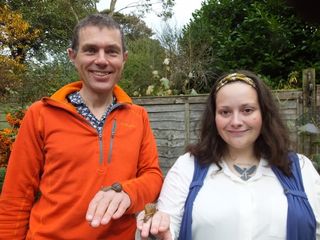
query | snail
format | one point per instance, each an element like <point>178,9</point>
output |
<point>149,210</point>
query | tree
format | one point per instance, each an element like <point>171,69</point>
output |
<point>10,77</point>
<point>54,19</point>
<point>31,31</point>
<point>144,6</point>
<point>17,36</point>
<point>145,56</point>
<point>133,27</point>
<point>15,40</point>
<point>266,37</point>
<point>44,58</point>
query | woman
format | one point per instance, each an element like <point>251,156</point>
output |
<point>246,191</point>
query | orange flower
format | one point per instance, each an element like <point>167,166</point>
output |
<point>8,135</point>
<point>6,131</point>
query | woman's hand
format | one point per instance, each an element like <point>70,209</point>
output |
<point>158,225</point>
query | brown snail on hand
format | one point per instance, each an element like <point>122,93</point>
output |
<point>149,210</point>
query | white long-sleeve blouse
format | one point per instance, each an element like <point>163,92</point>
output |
<point>229,208</point>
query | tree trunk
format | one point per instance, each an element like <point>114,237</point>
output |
<point>112,6</point>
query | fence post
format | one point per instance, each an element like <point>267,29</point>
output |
<point>309,106</point>
<point>3,122</point>
<point>186,123</point>
<point>309,89</point>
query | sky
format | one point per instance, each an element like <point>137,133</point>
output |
<point>183,10</point>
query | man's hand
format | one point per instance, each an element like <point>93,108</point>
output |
<point>158,225</point>
<point>107,205</point>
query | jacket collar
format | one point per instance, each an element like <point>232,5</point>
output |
<point>62,93</point>
<point>60,96</point>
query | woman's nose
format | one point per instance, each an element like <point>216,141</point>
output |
<point>236,120</point>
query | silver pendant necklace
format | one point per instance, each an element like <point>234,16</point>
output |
<point>246,172</point>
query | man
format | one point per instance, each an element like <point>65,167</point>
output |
<point>85,147</point>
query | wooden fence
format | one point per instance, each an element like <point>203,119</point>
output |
<point>3,122</point>
<point>175,119</point>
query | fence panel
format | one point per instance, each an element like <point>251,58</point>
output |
<point>175,121</point>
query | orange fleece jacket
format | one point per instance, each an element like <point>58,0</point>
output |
<point>58,153</point>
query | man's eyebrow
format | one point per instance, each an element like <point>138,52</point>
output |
<point>110,46</point>
<point>114,46</point>
<point>89,45</point>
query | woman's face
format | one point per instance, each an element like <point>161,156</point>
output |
<point>238,116</point>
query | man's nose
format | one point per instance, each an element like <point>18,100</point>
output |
<point>101,58</point>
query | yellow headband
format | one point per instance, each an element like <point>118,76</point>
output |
<point>235,77</point>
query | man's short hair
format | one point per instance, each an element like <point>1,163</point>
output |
<point>99,20</point>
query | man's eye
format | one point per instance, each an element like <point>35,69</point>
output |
<point>90,50</point>
<point>112,51</point>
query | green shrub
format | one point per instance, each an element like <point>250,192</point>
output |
<point>2,174</point>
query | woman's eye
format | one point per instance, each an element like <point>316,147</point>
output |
<point>224,113</point>
<point>248,110</point>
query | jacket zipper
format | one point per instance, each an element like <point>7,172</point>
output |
<point>113,132</point>
<point>100,148</point>
<point>112,135</point>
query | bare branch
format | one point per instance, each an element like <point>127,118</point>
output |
<point>112,6</point>
<point>73,11</point>
<point>138,4</point>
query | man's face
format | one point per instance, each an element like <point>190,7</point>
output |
<point>100,59</point>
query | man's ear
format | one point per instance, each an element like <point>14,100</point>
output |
<point>125,56</point>
<point>71,54</point>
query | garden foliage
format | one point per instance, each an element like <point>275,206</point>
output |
<point>264,36</point>
<point>8,135</point>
